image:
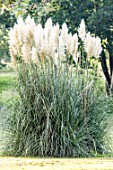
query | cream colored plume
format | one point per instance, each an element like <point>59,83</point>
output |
<point>21,30</point>
<point>82,30</point>
<point>89,44</point>
<point>34,56</point>
<point>98,47</point>
<point>74,45</point>
<point>39,38</point>
<point>14,40</point>
<point>30,41</point>
<point>29,30</point>
<point>26,50</point>
<point>48,28</point>
<point>64,33</point>
<point>92,45</point>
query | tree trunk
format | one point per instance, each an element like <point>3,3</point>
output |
<point>106,72</point>
<point>112,83</point>
<point>111,67</point>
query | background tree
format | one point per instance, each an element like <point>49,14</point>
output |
<point>9,10</point>
<point>101,23</point>
<point>6,21</point>
<point>68,11</point>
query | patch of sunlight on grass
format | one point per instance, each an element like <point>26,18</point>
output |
<point>56,164</point>
<point>7,80</point>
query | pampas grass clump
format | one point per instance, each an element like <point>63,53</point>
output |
<point>53,116</point>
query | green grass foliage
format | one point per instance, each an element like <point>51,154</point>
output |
<point>59,112</point>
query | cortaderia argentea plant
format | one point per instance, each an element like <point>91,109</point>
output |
<point>53,116</point>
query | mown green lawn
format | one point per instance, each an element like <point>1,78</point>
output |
<point>56,164</point>
<point>6,80</point>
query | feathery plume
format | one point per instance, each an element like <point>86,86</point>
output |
<point>69,43</point>
<point>82,30</point>
<point>48,28</point>
<point>39,38</point>
<point>28,41</point>
<point>55,36</point>
<point>92,45</point>
<point>74,44</point>
<point>26,50</point>
<point>98,47</point>
<point>29,29</point>
<point>64,33</point>
<point>21,30</point>
<point>34,56</point>
<point>89,44</point>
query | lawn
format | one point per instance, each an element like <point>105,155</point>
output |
<point>6,80</point>
<point>56,164</point>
